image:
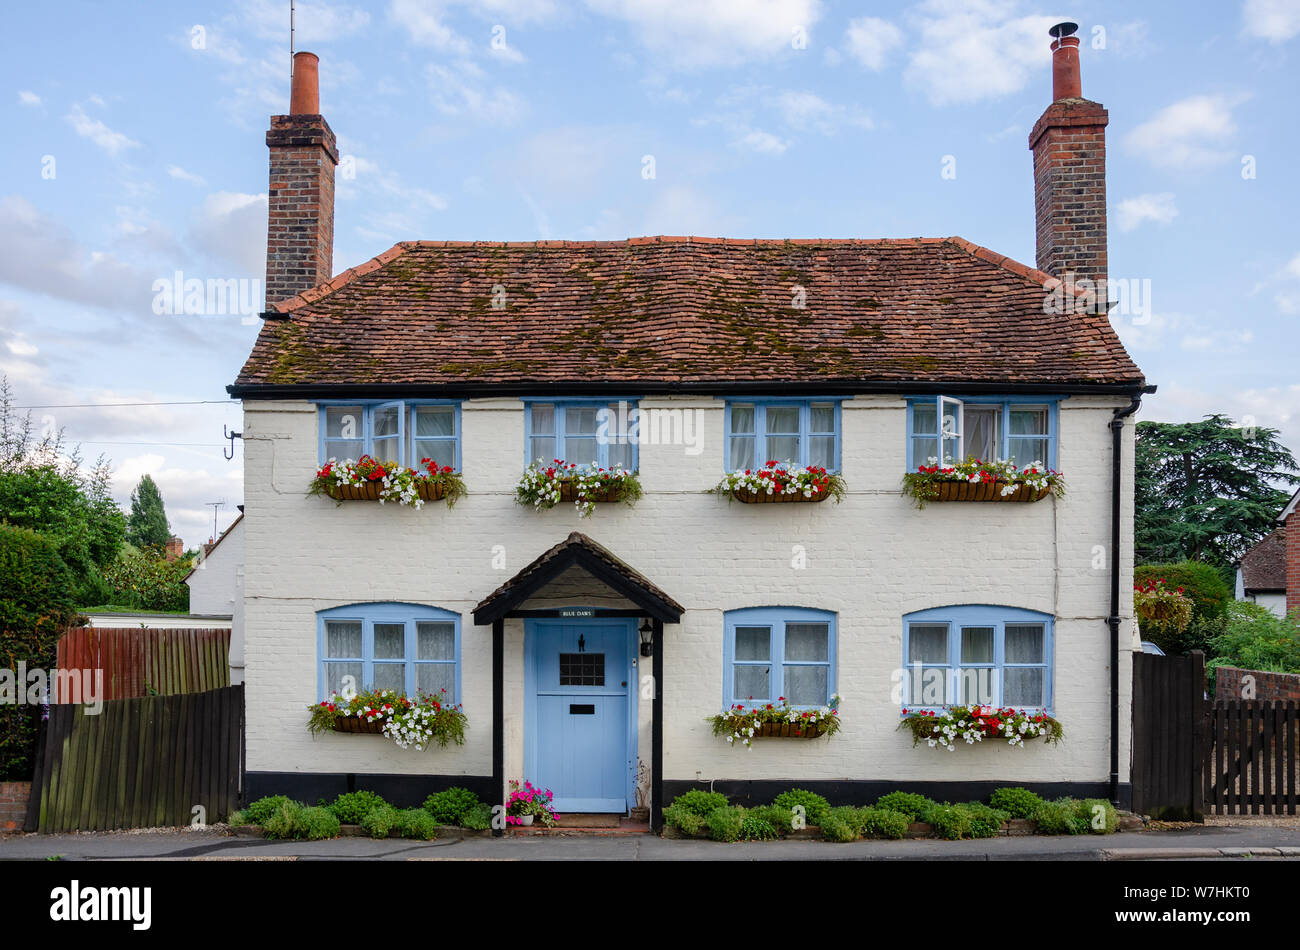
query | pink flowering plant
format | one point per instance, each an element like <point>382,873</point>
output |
<point>528,799</point>
<point>971,724</point>
<point>544,484</point>
<point>395,483</point>
<point>785,479</point>
<point>742,722</point>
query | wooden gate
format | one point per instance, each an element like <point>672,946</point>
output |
<point>1169,719</point>
<point>144,762</point>
<point>1252,758</point>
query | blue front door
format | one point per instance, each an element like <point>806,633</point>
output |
<point>579,727</point>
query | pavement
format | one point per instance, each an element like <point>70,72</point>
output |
<point>1213,843</point>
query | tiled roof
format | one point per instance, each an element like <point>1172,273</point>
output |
<point>682,311</point>
<point>1263,567</point>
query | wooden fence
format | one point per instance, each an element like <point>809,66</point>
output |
<point>1252,758</point>
<point>142,762</point>
<point>144,662</point>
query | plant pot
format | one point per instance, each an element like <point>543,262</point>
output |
<point>525,820</point>
<point>358,726</point>
<point>370,491</point>
<point>785,730</point>
<point>987,491</point>
<point>569,493</point>
<point>639,813</point>
<point>745,496</point>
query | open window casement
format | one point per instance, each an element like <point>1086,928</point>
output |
<point>388,430</point>
<point>951,442</point>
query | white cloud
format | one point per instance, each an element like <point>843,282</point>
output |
<point>231,228</point>
<point>99,133</point>
<point>180,174</point>
<point>28,98</point>
<point>677,209</point>
<point>765,143</point>
<point>424,24</point>
<point>1272,407</point>
<point>1159,208</point>
<point>691,33</point>
<point>462,91</point>
<point>1190,133</point>
<point>316,21</point>
<point>871,39</point>
<point>1293,266</point>
<point>1274,20</point>
<point>806,110</point>
<point>969,51</point>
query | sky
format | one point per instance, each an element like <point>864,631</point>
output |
<point>135,152</point>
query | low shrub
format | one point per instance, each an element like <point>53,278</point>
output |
<point>948,821</point>
<point>450,806</point>
<point>283,821</point>
<point>478,818</point>
<point>700,802</point>
<point>1062,817</point>
<point>781,819</point>
<point>380,821</point>
<point>985,822</point>
<point>317,824</point>
<point>683,819</point>
<point>841,824</point>
<point>906,803</point>
<point>417,823</point>
<point>1016,802</point>
<point>814,806</point>
<point>755,827</point>
<point>259,811</point>
<point>882,823</point>
<point>351,807</point>
<point>1101,816</point>
<point>725,823</point>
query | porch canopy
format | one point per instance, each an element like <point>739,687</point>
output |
<point>579,552</point>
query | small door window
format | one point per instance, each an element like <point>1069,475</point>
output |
<point>582,669</point>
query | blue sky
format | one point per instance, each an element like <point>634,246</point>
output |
<point>135,148</point>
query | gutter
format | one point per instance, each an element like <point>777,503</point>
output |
<point>1116,433</point>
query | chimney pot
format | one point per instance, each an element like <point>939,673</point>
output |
<point>1066,83</point>
<point>304,94</point>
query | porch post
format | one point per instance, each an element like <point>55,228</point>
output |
<point>498,719</point>
<point>657,734</point>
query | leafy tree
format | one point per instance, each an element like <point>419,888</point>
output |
<point>146,580</point>
<point>44,487</point>
<point>147,527</point>
<point>1207,491</point>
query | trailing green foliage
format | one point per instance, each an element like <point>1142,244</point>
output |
<point>882,823</point>
<point>815,807</point>
<point>1016,802</point>
<point>417,823</point>
<point>725,824</point>
<point>906,803</point>
<point>700,802</point>
<point>351,807</point>
<point>381,820</point>
<point>1201,582</point>
<point>451,805</point>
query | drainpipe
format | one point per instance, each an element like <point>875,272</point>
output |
<point>1116,434</point>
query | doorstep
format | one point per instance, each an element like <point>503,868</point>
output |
<point>579,825</point>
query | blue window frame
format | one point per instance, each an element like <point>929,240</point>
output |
<point>967,654</point>
<point>803,431</point>
<point>402,432</point>
<point>990,428</point>
<point>774,652</point>
<point>601,432</point>
<point>410,648</point>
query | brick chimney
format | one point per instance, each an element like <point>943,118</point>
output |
<point>300,212</point>
<point>175,548</point>
<point>1292,522</point>
<point>1069,146</point>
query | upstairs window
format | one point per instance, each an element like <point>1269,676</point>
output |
<point>406,433</point>
<point>991,430</point>
<point>774,652</point>
<point>969,654</point>
<point>803,432</point>
<point>601,434</point>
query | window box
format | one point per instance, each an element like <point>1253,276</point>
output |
<point>743,723</point>
<point>972,724</point>
<point>776,483</point>
<point>416,722</point>
<point>358,726</point>
<point>974,480</point>
<point>785,730</point>
<point>372,480</point>
<point>545,485</point>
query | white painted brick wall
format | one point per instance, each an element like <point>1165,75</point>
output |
<point>871,560</point>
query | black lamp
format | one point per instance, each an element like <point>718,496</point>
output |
<point>647,638</point>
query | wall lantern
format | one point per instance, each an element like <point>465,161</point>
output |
<point>647,638</point>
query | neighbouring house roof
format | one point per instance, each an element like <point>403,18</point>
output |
<point>598,561</point>
<point>1263,567</point>
<point>1290,507</point>
<point>669,313</point>
<point>225,534</point>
